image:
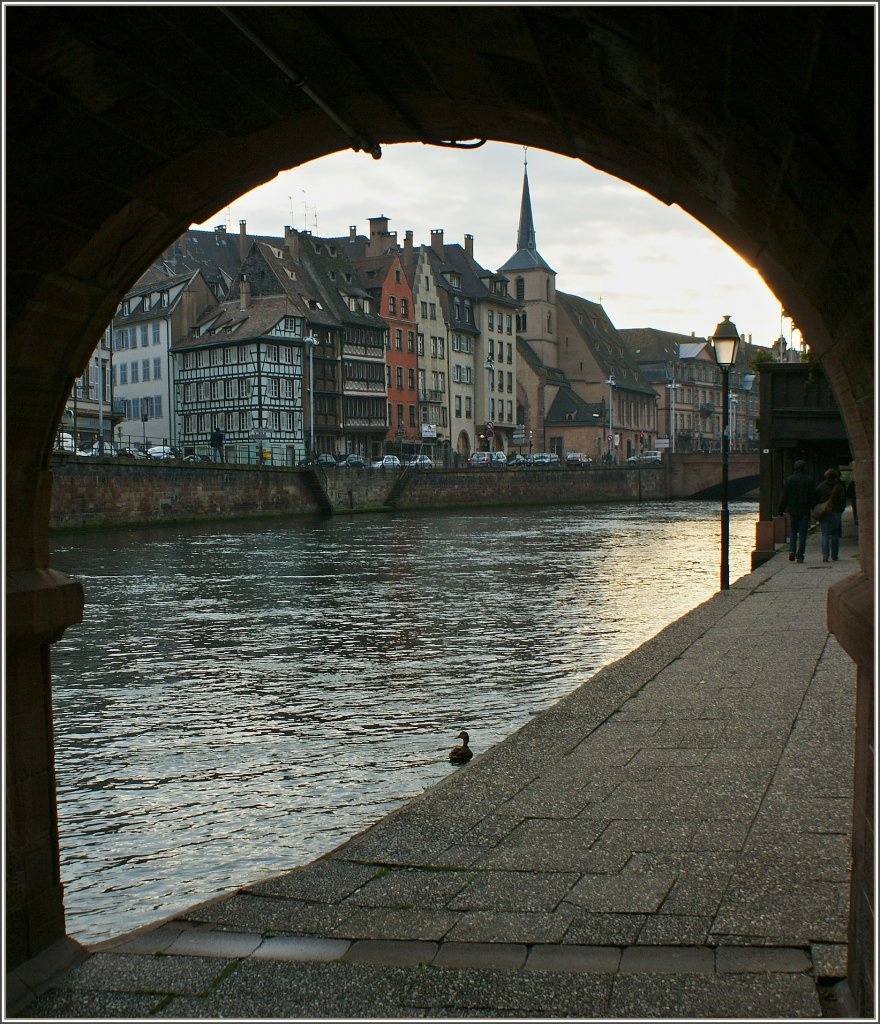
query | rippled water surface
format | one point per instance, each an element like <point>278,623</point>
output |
<point>241,699</point>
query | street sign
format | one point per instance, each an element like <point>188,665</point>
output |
<point>490,432</point>
<point>260,433</point>
<point>661,442</point>
<point>490,425</point>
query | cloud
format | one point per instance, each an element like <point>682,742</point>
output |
<point>652,265</point>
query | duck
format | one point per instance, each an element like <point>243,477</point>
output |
<point>463,753</point>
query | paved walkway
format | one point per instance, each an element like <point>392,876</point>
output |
<point>671,840</point>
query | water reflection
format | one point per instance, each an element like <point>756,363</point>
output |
<point>241,699</point>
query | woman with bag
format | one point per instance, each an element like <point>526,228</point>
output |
<point>831,493</point>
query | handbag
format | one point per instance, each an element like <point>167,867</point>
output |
<point>821,511</point>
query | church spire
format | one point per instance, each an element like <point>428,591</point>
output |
<point>525,238</point>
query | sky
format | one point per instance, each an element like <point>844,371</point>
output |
<point>650,265</point>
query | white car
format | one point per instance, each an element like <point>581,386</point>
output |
<point>64,443</point>
<point>95,449</point>
<point>646,457</point>
<point>388,462</point>
<point>420,462</point>
<point>161,451</point>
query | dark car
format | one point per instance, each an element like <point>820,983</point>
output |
<point>577,459</point>
<point>353,461</point>
<point>517,460</point>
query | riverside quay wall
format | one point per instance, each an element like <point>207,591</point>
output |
<point>105,492</point>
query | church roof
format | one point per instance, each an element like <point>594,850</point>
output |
<point>526,256</point>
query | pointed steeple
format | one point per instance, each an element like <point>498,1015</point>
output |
<point>525,236</point>
<point>526,256</point>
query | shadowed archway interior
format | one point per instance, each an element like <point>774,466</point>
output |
<point>124,126</point>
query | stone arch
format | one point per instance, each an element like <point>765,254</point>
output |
<point>126,125</point>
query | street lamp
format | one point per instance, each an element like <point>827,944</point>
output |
<point>610,383</point>
<point>671,388</point>
<point>313,343</point>
<point>490,431</point>
<point>725,345</point>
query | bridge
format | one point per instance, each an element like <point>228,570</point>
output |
<point>697,475</point>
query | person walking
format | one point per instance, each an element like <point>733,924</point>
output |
<point>217,439</point>
<point>831,490</point>
<point>798,498</point>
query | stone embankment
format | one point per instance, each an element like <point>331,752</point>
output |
<point>105,492</point>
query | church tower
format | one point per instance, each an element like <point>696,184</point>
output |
<point>533,284</point>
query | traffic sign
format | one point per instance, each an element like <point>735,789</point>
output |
<point>490,425</point>
<point>490,432</point>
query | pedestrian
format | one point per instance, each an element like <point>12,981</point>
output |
<point>851,498</point>
<point>831,490</point>
<point>217,439</point>
<point>798,498</point>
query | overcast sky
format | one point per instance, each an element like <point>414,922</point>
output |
<point>650,265</point>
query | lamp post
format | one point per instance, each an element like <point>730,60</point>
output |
<point>671,388</point>
<point>610,383</point>
<point>490,432</point>
<point>725,345</point>
<point>313,343</point>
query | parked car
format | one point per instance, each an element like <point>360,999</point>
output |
<point>420,462</point>
<point>131,453</point>
<point>353,461</point>
<point>109,448</point>
<point>197,458</point>
<point>162,451</point>
<point>546,459</point>
<point>64,443</point>
<point>479,459</point>
<point>577,459</point>
<point>388,462</point>
<point>325,459</point>
<point>643,457</point>
<point>517,460</point>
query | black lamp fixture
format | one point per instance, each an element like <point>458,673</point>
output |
<point>725,347</point>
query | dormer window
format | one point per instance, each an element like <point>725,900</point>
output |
<point>126,307</point>
<point>455,280</point>
<point>163,298</point>
<point>146,304</point>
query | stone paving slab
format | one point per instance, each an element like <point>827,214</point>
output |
<point>669,840</point>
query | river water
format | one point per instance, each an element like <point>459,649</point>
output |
<point>241,699</point>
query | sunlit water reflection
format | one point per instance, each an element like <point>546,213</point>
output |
<point>242,698</point>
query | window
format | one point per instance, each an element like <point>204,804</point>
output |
<point>133,373</point>
<point>510,383</point>
<point>293,324</point>
<point>424,310</point>
<point>397,275</point>
<point>433,310</point>
<point>404,309</point>
<point>456,310</point>
<point>214,357</point>
<point>390,415</point>
<point>491,319</point>
<point>400,415</point>
<point>123,373</point>
<point>145,336</point>
<point>500,351</point>
<point>392,305</point>
<point>421,344</point>
<point>458,405</point>
<point>467,407</point>
<point>410,341</point>
<point>398,339</point>
<point>412,415</point>
<point>433,347</point>
<point>411,378</point>
<point>163,298</point>
<point>155,333</point>
<point>228,387</point>
<point>510,411</point>
<point>244,388</point>
<point>400,378</point>
<point>145,369</point>
<point>468,313</point>
<point>520,288</point>
<point>387,377</point>
<point>509,324</point>
<point>244,421</point>
<point>491,408</point>
<point>440,348</point>
<point>275,420</point>
<point>274,387</point>
<point>126,307</point>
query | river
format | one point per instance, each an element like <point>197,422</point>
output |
<point>242,698</point>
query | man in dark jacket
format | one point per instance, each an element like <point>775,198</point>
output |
<point>798,498</point>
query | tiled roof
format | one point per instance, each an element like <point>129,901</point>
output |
<point>261,316</point>
<point>569,407</point>
<point>600,334</point>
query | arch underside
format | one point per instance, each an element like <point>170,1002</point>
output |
<point>126,125</point>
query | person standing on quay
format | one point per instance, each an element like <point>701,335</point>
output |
<point>798,498</point>
<point>831,489</point>
<point>217,439</point>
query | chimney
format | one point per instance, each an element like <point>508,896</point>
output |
<point>352,232</point>
<point>378,233</point>
<point>437,240</point>
<point>291,240</point>
<point>242,240</point>
<point>245,293</point>
<point>408,249</point>
<point>469,245</point>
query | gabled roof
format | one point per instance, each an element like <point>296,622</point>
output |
<point>591,321</point>
<point>233,325</point>
<point>178,283</point>
<point>569,407</point>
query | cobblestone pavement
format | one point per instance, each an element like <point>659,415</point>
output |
<point>671,840</point>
